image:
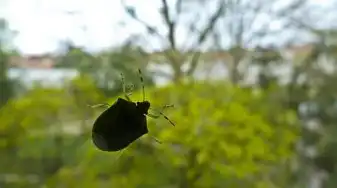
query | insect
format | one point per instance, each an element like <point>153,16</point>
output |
<point>123,122</point>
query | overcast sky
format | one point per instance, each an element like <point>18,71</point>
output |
<point>42,23</point>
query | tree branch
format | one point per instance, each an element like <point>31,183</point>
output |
<point>203,36</point>
<point>132,13</point>
<point>170,24</point>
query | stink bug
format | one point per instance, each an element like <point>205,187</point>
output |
<point>123,122</point>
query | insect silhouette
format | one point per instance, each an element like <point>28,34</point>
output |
<point>123,122</point>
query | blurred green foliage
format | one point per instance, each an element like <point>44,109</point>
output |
<point>224,136</point>
<point>106,67</point>
<point>6,85</point>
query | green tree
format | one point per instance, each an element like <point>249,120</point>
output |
<point>224,136</point>
<point>230,25</point>
<point>122,60</point>
<point>106,67</point>
<point>6,84</point>
<point>6,89</point>
<point>35,130</point>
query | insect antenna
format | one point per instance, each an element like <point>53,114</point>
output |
<point>160,112</point>
<point>124,87</point>
<point>142,82</point>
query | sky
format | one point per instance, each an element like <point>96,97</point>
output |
<point>42,23</point>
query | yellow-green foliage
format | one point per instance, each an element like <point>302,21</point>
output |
<point>30,124</point>
<point>219,113</point>
<point>42,108</point>
<point>224,137</point>
<point>222,134</point>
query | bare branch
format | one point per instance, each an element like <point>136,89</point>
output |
<point>151,29</point>
<point>204,34</point>
<point>170,24</point>
<point>194,63</point>
<point>179,6</point>
<point>301,25</point>
<point>295,5</point>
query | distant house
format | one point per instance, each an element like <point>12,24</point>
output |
<point>45,61</point>
<point>31,69</point>
<point>213,64</point>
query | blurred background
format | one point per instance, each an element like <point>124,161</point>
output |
<point>252,83</point>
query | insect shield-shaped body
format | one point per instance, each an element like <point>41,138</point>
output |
<point>122,123</point>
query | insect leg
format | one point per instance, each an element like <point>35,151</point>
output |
<point>124,89</point>
<point>119,154</point>
<point>153,116</point>
<point>155,139</point>
<point>142,82</point>
<point>106,105</point>
<point>161,114</point>
<point>163,107</point>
